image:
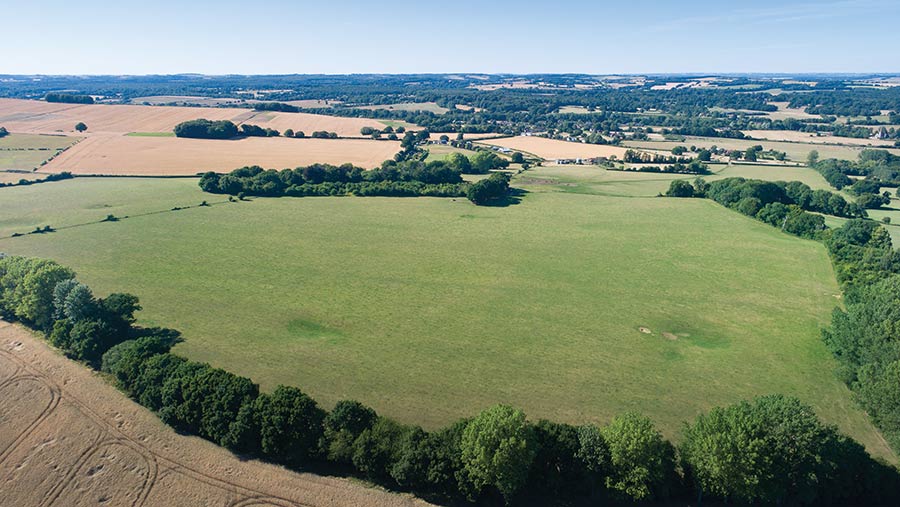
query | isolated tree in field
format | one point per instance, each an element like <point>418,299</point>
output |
<point>497,450</point>
<point>680,188</point>
<point>80,127</point>
<point>3,132</point>
<point>812,158</point>
<point>491,190</point>
<point>642,463</point>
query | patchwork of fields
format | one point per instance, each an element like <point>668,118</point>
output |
<point>303,291</point>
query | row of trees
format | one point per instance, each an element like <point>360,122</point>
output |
<point>773,202</point>
<point>879,166</point>
<point>864,336</point>
<point>771,450</point>
<point>692,167</point>
<point>69,98</point>
<point>65,175</point>
<point>408,178</point>
<point>643,157</point>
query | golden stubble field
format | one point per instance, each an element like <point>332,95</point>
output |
<point>32,116</point>
<point>172,156</point>
<point>68,438</point>
<point>107,150</point>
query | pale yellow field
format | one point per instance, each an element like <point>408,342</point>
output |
<point>31,116</point>
<point>555,149</point>
<point>172,156</point>
<point>806,137</point>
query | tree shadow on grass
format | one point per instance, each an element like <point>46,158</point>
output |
<point>512,198</point>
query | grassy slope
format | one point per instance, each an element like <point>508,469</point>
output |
<point>431,309</point>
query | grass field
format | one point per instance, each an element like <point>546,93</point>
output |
<point>442,151</point>
<point>795,151</point>
<point>584,179</point>
<point>439,308</point>
<point>27,151</point>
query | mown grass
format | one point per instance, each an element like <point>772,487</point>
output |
<point>432,309</point>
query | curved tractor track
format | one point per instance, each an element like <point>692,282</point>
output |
<point>68,438</point>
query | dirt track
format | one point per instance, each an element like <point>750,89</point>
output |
<point>69,438</point>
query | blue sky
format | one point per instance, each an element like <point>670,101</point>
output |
<point>400,36</point>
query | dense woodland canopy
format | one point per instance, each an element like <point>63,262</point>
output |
<point>772,449</point>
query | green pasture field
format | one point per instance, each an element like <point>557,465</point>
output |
<point>27,151</point>
<point>796,152</point>
<point>584,179</point>
<point>432,309</point>
<point>442,151</point>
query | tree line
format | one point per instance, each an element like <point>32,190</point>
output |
<point>770,450</point>
<point>407,178</point>
<point>786,205</point>
<point>692,167</point>
<point>69,98</point>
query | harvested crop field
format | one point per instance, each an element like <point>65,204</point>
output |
<point>67,438</point>
<point>555,149</point>
<point>31,116</point>
<point>173,156</point>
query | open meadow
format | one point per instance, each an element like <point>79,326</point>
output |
<point>595,304</point>
<point>555,149</point>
